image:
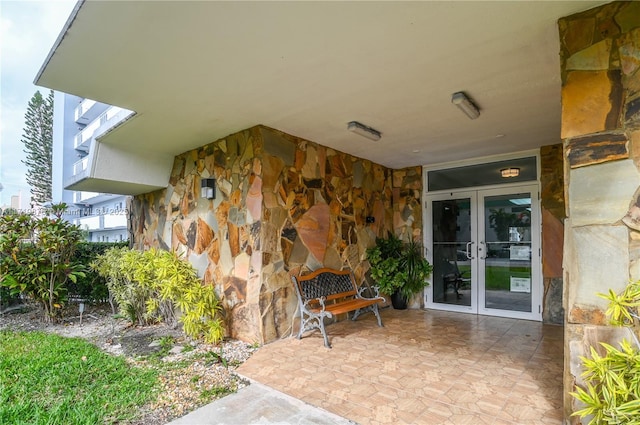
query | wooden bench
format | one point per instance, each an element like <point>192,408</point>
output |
<point>328,292</point>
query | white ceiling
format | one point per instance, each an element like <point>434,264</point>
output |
<point>197,71</point>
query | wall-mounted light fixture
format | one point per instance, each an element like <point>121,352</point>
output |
<point>208,188</point>
<point>364,131</point>
<point>510,172</point>
<point>462,101</point>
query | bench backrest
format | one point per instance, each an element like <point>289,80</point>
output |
<point>328,283</point>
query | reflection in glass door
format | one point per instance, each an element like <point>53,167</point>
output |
<point>506,273</point>
<point>484,247</point>
<point>453,250</point>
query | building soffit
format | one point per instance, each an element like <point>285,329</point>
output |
<point>195,72</point>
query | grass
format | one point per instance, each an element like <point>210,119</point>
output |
<point>498,278</point>
<point>48,379</point>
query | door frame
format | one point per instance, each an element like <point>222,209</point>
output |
<point>536,260</point>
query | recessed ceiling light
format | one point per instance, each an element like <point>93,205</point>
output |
<point>499,136</point>
<point>416,151</point>
<point>510,172</point>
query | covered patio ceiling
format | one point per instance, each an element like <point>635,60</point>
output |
<point>197,71</point>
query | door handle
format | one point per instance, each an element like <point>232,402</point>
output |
<point>480,245</point>
<point>468,251</point>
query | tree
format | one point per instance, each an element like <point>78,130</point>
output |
<point>37,138</point>
<point>37,257</point>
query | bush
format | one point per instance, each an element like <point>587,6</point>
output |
<point>611,394</point>
<point>150,286</point>
<point>36,257</point>
<point>92,287</point>
<point>7,298</point>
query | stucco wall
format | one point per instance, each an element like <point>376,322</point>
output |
<point>600,57</point>
<point>284,206</point>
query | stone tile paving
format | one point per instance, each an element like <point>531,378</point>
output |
<point>423,367</point>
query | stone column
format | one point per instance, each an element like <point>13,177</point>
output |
<point>553,215</point>
<point>600,57</point>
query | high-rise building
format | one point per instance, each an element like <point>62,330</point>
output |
<point>76,121</point>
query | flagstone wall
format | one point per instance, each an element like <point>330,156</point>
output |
<point>284,206</point>
<point>600,57</point>
<point>553,215</point>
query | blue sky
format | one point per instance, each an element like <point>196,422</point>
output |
<point>28,30</point>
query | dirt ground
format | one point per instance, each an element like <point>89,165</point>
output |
<point>199,376</point>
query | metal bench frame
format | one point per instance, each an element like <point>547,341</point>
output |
<point>326,293</point>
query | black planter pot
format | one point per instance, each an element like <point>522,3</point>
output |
<point>398,301</point>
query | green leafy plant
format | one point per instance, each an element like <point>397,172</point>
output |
<point>384,259</point>
<point>151,286</point>
<point>91,287</point>
<point>211,357</point>
<point>611,394</point>
<point>213,393</point>
<point>36,258</point>
<point>398,266</point>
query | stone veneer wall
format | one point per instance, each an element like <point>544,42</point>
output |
<point>553,215</point>
<point>600,57</point>
<point>284,206</point>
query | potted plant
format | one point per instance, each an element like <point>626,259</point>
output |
<point>399,269</point>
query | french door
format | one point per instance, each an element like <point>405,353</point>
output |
<point>484,246</point>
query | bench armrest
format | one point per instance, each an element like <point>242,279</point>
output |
<point>320,301</point>
<point>375,289</point>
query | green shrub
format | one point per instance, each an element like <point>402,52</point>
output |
<point>7,298</point>
<point>611,394</point>
<point>151,286</point>
<point>91,287</point>
<point>36,257</point>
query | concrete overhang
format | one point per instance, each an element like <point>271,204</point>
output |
<point>197,71</point>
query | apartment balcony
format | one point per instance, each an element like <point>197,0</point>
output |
<point>113,168</point>
<point>88,110</point>
<point>101,124</point>
<point>91,223</point>
<point>80,166</point>
<point>113,221</point>
<point>91,198</point>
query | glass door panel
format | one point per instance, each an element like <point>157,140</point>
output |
<point>508,253</point>
<point>452,251</point>
<point>507,260</point>
<point>484,248</point>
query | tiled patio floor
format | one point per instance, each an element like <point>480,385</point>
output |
<point>423,367</point>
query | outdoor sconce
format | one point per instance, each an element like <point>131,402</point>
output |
<point>208,188</point>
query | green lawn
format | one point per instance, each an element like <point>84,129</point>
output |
<point>48,379</point>
<point>498,277</point>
